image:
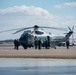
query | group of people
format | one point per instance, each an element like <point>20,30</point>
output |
<point>38,44</point>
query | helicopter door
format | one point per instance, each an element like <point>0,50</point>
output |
<point>30,40</point>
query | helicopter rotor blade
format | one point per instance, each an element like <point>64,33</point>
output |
<point>73,28</point>
<point>22,30</point>
<point>69,28</point>
<point>57,28</point>
<point>19,29</point>
<point>10,30</point>
<point>74,32</point>
<point>35,28</point>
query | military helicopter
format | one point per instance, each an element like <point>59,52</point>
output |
<point>28,37</point>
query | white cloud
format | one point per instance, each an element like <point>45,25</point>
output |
<point>29,10</point>
<point>70,4</point>
<point>24,16</point>
<point>73,4</point>
<point>31,15</point>
<point>58,6</point>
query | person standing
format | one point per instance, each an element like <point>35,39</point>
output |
<point>39,44</point>
<point>67,44</point>
<point>46,44</point>
<point>36,44</point>
<point>16,44</point>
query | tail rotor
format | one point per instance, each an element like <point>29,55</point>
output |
<point>72,34</point>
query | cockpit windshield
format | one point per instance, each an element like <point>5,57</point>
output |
<point>39,32</point>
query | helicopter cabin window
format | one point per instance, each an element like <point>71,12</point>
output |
<point>39,32</point>
<point>29,36</point>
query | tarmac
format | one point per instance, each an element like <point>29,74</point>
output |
<point>8,51</point>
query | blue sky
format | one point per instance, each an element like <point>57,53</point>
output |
<point>46,4</point>
<point>24,13</point>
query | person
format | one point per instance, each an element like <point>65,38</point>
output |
<point>16,44</point>
<point>67,44</point>
<point>36,43</point>
<point>43,44</point>
<point>39,44</point>
<point>46,44</point>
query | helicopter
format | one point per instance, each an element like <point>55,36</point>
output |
<point>28,37</point>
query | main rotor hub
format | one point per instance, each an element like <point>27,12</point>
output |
<point>36,27</point>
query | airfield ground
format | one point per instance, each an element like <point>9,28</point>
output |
<point>8,51</point>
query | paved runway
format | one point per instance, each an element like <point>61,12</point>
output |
<point>8,51</point>
<point>60,61</point>
<point>37,67</point>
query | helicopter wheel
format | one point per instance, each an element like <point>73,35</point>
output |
<point>24,46</point>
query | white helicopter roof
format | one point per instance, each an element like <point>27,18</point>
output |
<point>40,32</point>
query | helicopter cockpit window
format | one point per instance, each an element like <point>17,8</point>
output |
<point>39,32</point>
<point>28,31</point>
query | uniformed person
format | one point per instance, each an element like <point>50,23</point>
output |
<point>67,44</point>
<point>16,44</point>
<point>39,44</point>
<point>36,44</point>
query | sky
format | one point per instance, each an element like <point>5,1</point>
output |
<point>25,13</point>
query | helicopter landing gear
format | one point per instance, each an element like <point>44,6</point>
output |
<point>24,46</point>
